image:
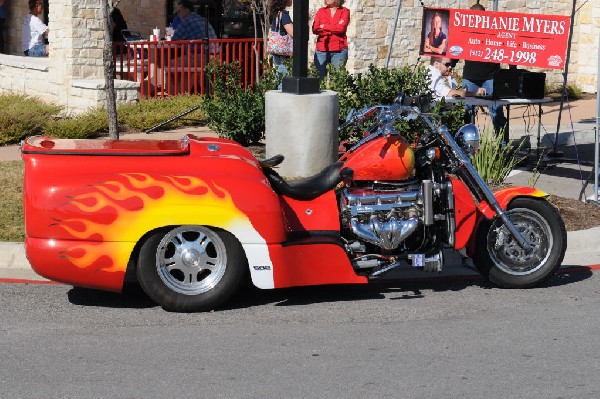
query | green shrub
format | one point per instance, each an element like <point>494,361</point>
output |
<point>150,112</point>
<point>22,116</point>
<point>573,91</point>
<point>87,125</point>
<point>382,86</point>
<point>494,160</point>
<point>233,112</point>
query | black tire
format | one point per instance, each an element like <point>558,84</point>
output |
<point>190,268</point>
<point>499,258</point>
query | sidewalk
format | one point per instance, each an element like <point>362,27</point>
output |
<point>561,177</point>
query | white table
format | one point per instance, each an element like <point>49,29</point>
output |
<point>474,101</point>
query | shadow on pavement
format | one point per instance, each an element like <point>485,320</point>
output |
<point>250,296</point>
<point>132,297</point>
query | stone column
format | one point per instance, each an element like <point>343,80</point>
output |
<point>303,128</point>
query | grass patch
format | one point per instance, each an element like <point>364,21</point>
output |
<point>12,226</point>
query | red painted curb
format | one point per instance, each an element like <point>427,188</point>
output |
<point>27,281</point>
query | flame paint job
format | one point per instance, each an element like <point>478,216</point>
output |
<point>389,158</point>
<point>84,221</point>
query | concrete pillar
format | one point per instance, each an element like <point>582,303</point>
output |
<point>303,128</point>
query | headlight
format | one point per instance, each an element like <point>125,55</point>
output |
<point>468,139</point>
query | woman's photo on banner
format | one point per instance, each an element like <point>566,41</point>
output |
<point>434,31</point>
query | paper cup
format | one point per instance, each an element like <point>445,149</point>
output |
<point>156,33</point>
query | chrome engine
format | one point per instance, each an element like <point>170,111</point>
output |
<point>385,216</point>
<point>382,218</point>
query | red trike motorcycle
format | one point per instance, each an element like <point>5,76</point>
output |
<point>192,218</point>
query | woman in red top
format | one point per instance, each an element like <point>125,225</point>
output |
<point>330,27</point>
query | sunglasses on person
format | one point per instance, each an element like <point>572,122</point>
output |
<point>449,64</point>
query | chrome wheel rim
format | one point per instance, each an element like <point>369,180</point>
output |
<point>506,253</point>
<point>191,260</point>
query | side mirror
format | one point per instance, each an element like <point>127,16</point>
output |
<point>468,138</point>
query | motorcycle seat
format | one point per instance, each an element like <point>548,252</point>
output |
<point>271,162</point>
<point>311,187</point>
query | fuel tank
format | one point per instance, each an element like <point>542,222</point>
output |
<point>384,158</point>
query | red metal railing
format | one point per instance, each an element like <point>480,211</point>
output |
<point>168,68</point>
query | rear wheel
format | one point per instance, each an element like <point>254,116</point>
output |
<point>190,268</point>
<point>499,257</point>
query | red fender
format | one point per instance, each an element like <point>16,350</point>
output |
<point>468,214</point>
<point>506,195</point>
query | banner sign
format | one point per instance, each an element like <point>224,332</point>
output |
<point>532,40</point>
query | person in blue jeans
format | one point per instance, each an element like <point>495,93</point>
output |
<point>281,22</point>
<point>481,74</point>
<point>330,26</point>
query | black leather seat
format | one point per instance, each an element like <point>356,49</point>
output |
<point>310,187</point>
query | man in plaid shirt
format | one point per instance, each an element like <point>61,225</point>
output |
<point>192,25</point>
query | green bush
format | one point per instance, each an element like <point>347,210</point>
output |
<point>150,112</point>
<point>382,86</point>
<point>233,112</point>
<point>22,116</point>
<point>87,125</point>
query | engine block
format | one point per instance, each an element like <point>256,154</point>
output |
<point>382,217</point>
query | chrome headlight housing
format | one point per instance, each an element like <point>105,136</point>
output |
<point>468,139</point>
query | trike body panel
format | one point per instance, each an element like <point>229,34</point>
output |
<point>90,203</point>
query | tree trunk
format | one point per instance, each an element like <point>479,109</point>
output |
<point>109,68</point>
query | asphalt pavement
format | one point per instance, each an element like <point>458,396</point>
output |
<point>567,154</point>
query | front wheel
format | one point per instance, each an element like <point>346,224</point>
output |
<point>190,268</point>
<point>499,257</point>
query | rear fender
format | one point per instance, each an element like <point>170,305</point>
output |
<point>83,224</point>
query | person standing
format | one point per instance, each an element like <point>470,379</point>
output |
<point>33,31</point>
<point>481,74</point>
<point>281,22</point>
<point>118,24</point>
<point>2,19</point>
<point>330,25</point>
